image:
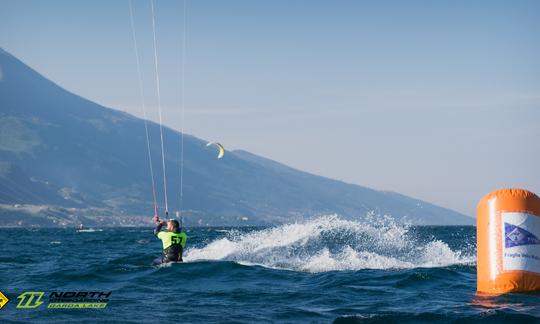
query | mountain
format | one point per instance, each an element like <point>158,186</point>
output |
<point>65,160</point>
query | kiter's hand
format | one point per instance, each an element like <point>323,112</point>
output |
<point>156,219</point>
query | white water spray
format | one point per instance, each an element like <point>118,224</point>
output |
<point>330,243</point>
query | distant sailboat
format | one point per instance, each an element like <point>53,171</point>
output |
<point>82,229</point>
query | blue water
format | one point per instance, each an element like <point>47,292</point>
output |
<point>323,270</point>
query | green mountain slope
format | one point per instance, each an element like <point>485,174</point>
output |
<point>86,162</point>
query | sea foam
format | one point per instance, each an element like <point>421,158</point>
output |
<point>330,243</point>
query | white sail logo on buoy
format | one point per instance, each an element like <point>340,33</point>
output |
<point>521,245</point>
<point>518,236</point>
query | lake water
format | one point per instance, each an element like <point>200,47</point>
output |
<point>323,270</point>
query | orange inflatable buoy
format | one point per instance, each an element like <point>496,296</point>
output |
<point>508,242</point>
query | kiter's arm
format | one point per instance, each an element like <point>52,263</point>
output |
<point>158,227</point>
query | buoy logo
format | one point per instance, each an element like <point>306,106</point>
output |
<point>516,236</point>
<point>30,299</point>
<point>3,300</point>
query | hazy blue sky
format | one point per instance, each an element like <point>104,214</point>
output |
<point>439,100</point>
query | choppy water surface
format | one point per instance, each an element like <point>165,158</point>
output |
<point>323,270</point>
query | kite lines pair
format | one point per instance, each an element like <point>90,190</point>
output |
<point>221,150</point>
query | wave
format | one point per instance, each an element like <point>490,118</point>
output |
<point>329,243</point>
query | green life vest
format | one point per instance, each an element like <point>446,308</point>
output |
<point>170,238</point>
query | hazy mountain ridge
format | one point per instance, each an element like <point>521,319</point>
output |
<point>83,159</point>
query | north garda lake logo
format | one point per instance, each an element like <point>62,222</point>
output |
<point>67,299</point>
<point>79,299</point>
<point>517,236</point>
<point>3,300</point>
<point>30,299</point>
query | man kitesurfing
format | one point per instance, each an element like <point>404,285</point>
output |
<point>173,239</point>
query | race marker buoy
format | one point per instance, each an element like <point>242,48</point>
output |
<point>508,242</point>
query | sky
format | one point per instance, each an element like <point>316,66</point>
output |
<point>438,100</point>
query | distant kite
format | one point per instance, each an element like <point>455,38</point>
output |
<point>220,147</point>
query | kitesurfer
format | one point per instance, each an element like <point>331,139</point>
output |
<point>173,239</point>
